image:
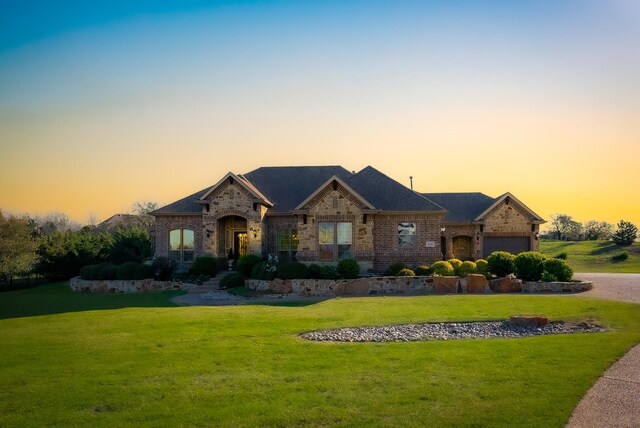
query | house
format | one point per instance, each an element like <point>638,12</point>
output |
<point>322,214</point>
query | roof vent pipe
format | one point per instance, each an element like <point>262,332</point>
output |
<point>411,181</point>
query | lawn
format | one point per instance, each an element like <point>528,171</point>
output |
<point>594,256</point>
<point>245,366</point>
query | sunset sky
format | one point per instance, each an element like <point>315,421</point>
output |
<point>103,104</point>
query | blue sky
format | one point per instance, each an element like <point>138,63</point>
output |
<point>102,90</point>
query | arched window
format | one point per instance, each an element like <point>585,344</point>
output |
<point>181,245</point>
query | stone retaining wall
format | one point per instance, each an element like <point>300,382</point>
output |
<point>116,286</point>
<point>412,285</point>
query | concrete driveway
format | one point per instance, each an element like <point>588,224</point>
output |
<point>623,287</point>
<point>614,400</point>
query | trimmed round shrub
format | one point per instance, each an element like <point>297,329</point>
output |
<point>205,265</point>
<point>406,272</point>
<point>442,268</point>
<point>394,269</point>
<point>466,268</point>
<point>528,266</point>
<point>482,267</point>
<point>143,271</point>
<point>163,268</point>
<point>315,271</point>
<point>89,272</point>
<point>455,263</point>
<point>548,277</point>
<point>562,256</point>
<point>620,257</point>
<point>259,271</point>
<point>245,263</point>
<point>107,271</point>
<point>127,270</point>
<point>232,280</point>
<point>328,272</point>
<point>348,269</point>
<point>423,270</point>
<point>557,269</point>
<point>292,270</point>
<point>500,263</point>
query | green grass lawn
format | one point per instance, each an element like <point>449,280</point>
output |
<point>245,365</point>
<point>594,256</point>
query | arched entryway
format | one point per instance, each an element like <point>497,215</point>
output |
<point>462,248</point>
<point>232,236</point>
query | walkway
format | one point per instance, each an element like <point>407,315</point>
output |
<point>614,400</point>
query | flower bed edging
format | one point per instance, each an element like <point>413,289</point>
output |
<point>124,286</point>
<point>407,285</point>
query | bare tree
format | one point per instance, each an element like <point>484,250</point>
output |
<point>142,209</point>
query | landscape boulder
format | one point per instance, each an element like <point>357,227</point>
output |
<point>506,285</point>
<point>280,286</point>
<point>445,284</point>
<point>529,320</point>
<point>476,283</point>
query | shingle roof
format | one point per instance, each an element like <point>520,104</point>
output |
<point>288,186</point>
<point>461,207</point>
<point>387,194</point>
<point>187,205</point>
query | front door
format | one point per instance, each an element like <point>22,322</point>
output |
<point>239,244</point>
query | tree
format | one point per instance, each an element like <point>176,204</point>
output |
<point>565,227</point>
<point>594,230</point>
<point>17,247</point>
<point>131,244</point>
<point>625,234</point>
<point>142,210</point>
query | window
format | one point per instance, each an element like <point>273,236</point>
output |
<point>287,244</point>
<point>181,245</point>
<point>334,240</point>
<point>406,235</point>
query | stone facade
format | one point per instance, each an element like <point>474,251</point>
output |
<point>510,220</point>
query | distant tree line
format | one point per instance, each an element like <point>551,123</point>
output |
<point>54,247</point>
<point>565,228</point>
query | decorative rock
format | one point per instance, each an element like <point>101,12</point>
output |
<point>280,286</point>
<point>445,284</point>
<point>529,320</point>
<point>476,283</point>
<point>505,285</point>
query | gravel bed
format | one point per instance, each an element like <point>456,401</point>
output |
<point>220,295</point>
<point>446,331</point>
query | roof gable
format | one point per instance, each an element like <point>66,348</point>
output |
<point>242,182</point>
<point>509,198</point>
<point>339,183</point>
<point>288,186</point>
<point>387,194</point>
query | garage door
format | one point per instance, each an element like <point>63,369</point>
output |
<point>513,245</point>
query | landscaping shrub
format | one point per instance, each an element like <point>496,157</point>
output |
<point>232,280</point>
<point>107,271</point>
<point>245,264</point>
<point>163,268</point>
<point>89,272</point>
<point>292,270</point>
<point>466,268</point>
<point>529,265</point>
<point>562,256</point>
<point>442,268</point>
<point>315,271</point>
<point>423,270</point>
<point>482,267</point>
<point>130,244</point>
<point>500,263</point>
<point>620,257</point>
<point>328,272</point>
<point>348,269</point>
<point>394,269</point>
<point>406,272</point>
<point>134,271</point>
<point>263,271</point>
<point>557,269</point>
<point>455,263</point>
<point>205,265</point>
